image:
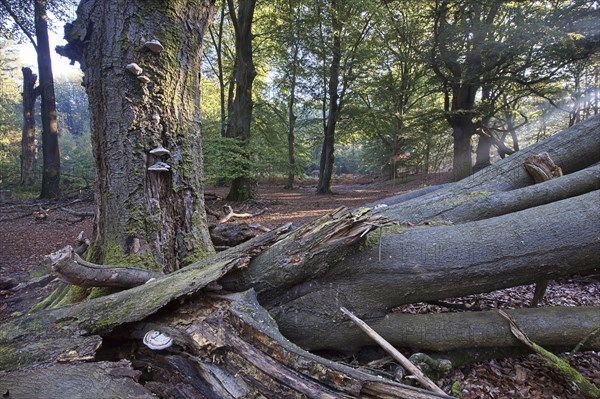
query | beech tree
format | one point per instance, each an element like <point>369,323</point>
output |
<point>493,45</point>
<point>146,128</point>
<point>31,18</point>
<point>242,187</point>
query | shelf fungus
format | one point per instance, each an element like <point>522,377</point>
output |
<point>156,340</point>
<point>134,68</point>
<point>144,79</point>
<point>160,151</point>
<point>154,46</point>
<point>159,167</point>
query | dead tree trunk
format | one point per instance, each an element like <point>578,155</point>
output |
<point>28,141</point>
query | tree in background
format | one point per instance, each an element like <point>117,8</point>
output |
<point>490,45</point>
<point>31,18</point>
<point>10,132</point>
<point>242,187</point>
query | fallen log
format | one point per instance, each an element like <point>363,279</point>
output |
<point>554,327</point>
<point>301,285</point>
<point>574,149</point>
<point>99,380</point>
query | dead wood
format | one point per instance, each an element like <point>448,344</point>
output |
<point>101,380</point>
<point>554,362</point>
<point>53,334</point>
<point>404,362</point>
<point>234,342</point>
<point>300,279</point>
<point>229,213</point>
<point>573,149</point>
<point>74,270</point>
<point>555,327</point>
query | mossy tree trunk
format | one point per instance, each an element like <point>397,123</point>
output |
<point>154,219</point>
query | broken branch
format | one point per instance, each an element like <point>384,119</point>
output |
<point>422,378</point>
<point>554,362</point>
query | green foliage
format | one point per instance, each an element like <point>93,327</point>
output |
<point>10,124</point>
<point>225,158</point>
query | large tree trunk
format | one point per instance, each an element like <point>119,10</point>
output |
<point>50,150</point>
<point>150,218</point>
<point>28,141</point>
<point>242,187</point>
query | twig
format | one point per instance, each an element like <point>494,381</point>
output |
<point>231,214</point>
<point>554,362</point>
<point>76,213</point>
<point>581,343</point>
<point>422,378</point>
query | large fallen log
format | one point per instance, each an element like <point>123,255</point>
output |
<point>558,327</point>
<point>421,264</point>
<point>572,150</point>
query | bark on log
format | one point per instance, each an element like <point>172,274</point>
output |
<point>101,380</point>
<point>502,203</point>
<point>421,264</point>
<point>44,337</point>
<point>233,341</point>
<point>562,327</point>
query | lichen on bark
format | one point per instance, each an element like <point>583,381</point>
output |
<point>151,219</point>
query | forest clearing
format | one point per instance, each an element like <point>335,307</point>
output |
<point>292,199</point>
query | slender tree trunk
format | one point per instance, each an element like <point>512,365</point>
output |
<point>153,218</point>
<point>50,149</point>
<point>327,156</point>
<point>28,141</point>
<point>292,101</point>
<point>242,187</point>
<point>291,128</point>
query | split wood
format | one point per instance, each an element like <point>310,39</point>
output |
<point>418,374</point>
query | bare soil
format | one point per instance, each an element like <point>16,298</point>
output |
<point>26,236</point>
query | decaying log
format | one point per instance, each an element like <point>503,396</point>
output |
<point>555,327</point>
<point>74,270</point>
<point>101,380</point>
<point>300,282</point>
<point>502,203</point>
<point>53,334</point>
<point>230,235</point>
<point>233,342</point>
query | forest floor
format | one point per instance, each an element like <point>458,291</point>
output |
<point>26,236</point>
